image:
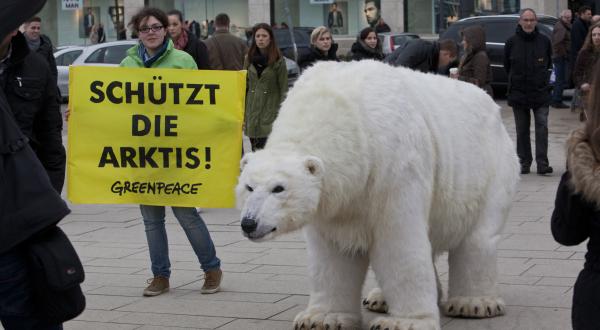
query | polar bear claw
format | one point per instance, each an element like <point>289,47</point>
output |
<point>321,320</point>
<point>474,307</point>
<point>397,323</point>
<point>375,302</point>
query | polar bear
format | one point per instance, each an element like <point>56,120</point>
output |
<point>388,167</point>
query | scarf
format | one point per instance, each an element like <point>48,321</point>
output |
<point>149,60</point>
<point>182,41</point>
<point>260,62</point>
<point>34,44</point>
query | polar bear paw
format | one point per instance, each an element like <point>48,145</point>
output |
<point>475,307</point>
<point>397,323</point>
<point>320,320</point>
<point>375,302</point>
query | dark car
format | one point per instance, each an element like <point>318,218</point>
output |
<point>497,30</point>
<point>284,40</point>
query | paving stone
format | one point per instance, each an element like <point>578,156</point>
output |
<point>249,324</point>
<point>156,318</point>
<point>518,318</point>
<point>99,315</point>
<point>557,281</point>
<point>84,325</point>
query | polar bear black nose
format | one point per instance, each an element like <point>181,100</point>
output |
<point>248,225</point>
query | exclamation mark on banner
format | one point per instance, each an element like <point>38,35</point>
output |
<point>207,154</point>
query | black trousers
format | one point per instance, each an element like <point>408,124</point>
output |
<point>522,121</point>
<point>586,301</point>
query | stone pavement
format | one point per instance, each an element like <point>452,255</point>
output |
<point>265,284</point>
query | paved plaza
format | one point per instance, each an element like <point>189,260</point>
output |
<point>265,284</point>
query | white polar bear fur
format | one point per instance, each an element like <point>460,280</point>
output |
<point>389,167</point>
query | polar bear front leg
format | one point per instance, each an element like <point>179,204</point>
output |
<point>402,262</point>
<point>472,278</point>
<point>336,282</point>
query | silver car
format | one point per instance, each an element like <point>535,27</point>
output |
<point>64,57</point>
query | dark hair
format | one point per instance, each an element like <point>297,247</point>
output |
<point>33,19</point>
<point>449,45</point>
<point>583,9</point>
<point>222,20</point>
<point>146,12</point>
<point>177,13</point>
<point>377,3</point>
<point>273,53</point>
<point>364,33</point>
<point>592,123</point>
<point>588,44</point>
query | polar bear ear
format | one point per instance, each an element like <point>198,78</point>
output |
<point>245,160</point>
<point>314,166</point>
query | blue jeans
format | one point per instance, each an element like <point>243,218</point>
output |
<point>195,230</point>
<point>522,122</point>
<point>17,311</point>
<point>560,72</point>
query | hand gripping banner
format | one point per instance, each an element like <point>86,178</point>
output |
<point>154,136</point>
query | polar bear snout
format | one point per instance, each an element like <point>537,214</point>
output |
<point>249,225</point>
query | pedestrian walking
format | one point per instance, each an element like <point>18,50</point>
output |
<point>225,51</point>
<point>474,66</point>
<point>425,56</point>
<point>527,61</point>
<point>155,50</point>
<point>582,73</point>
<point>561,47</point>
<point>30,205</point>
<point>576,211</point>
<point>267,85</point>
<point>322,48</point>
<point>183,40</point>
<point>367,46</point>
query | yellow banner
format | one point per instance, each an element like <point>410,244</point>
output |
<point>154,136</point>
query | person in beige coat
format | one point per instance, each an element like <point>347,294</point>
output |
<point>474,65</point>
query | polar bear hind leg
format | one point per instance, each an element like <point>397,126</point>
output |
<point>473,271</point>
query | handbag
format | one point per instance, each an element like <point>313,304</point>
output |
<point>56,274</point>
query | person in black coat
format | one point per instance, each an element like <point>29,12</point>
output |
<point>579,30</point>
<point>576,215</point>
<point>183,40</point>
<point>28,202</point>
<point>40,43</point>
<point>367,46</point>
<point>322,48</point>
<point>528,63</point>
<point>31,92</point>
<point>425,56</point>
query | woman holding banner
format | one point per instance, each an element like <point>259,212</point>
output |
<point>267,84</point>
<point>155,50</point>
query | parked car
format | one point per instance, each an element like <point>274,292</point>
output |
<point>64,57</point>
<point>498,29</point>
<point>392,40</point>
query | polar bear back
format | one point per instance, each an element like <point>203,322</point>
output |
<point>373,124</point>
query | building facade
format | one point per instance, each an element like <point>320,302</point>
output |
<point>69,26</point>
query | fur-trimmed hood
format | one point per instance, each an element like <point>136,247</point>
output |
<point>584,167</point>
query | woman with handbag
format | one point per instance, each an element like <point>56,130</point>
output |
<point>267,85</point>
<point>156,50</point>
<point>582,73</point>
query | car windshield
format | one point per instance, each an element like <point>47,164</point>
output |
<point>284,40</point>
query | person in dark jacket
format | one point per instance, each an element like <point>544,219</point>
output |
<point>28,202</point>
<point>185,41</point>
<point>576,215</point>
<point>322,48</point>
<point>367,46</point>
<point>474,65</point>
<point>579,30</point>
<point>528,61</point>
<point>425,56</point>
<point>561,46</point>
<point>31,92</point>
<point>40,43</point>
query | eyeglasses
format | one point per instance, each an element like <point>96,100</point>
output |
<point>154,28</point>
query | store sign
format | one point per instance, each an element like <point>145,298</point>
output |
<point>72,4</point>
<point>320,2</point>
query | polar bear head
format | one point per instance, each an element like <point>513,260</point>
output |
<point>277,192</point>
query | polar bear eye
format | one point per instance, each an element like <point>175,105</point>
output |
<point>250,189</point>
<point>277,189</point>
